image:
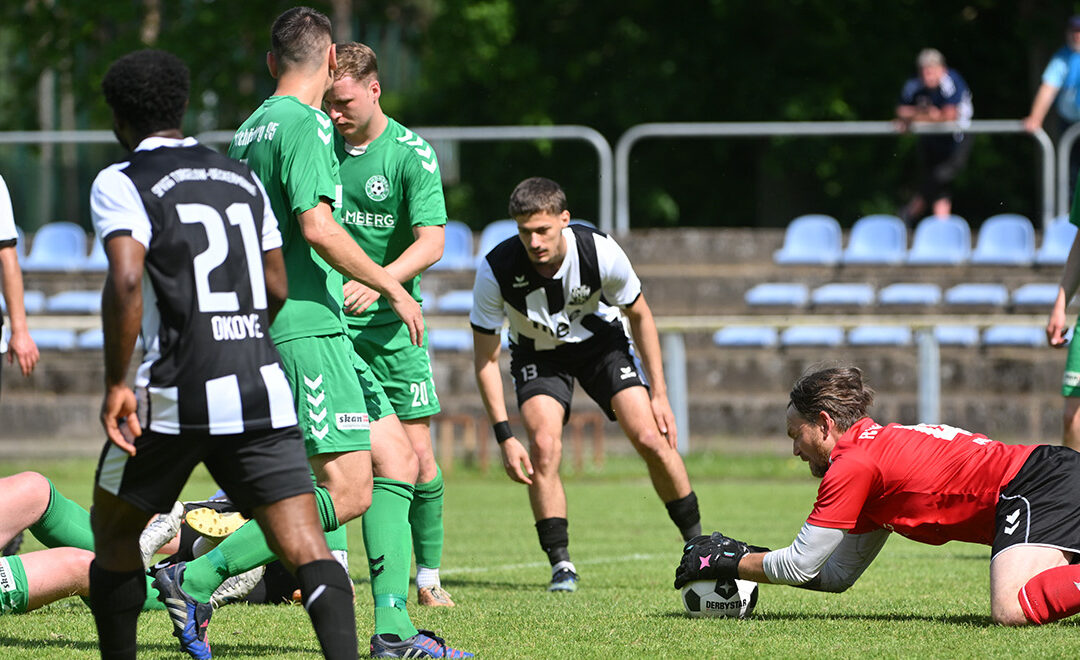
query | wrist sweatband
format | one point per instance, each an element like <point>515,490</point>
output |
<point>502,432</point>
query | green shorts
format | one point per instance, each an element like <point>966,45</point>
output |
<point>14,591</point>
<point>403,368</point>
<point>1070,383</point>
<point>325,376</point>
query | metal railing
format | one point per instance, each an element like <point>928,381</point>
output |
<point>513,133</point>
<point>810,128</point>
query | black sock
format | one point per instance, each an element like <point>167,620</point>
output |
<point>328,598</point>
<point>116,600</point>
<point>554,539</point>
<point>686,516</point>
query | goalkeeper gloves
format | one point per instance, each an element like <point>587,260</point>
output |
<point>713,557</point>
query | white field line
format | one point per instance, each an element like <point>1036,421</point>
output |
<point>543,564</point>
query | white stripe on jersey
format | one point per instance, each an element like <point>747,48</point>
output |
<point>112,469</point>
<point>282,406</point>
<point>224,410</point>
<point>165,409</point>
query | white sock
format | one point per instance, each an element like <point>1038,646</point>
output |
<point>561,565</point>
<point>427,577</point>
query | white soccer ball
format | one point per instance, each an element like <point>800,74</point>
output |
<point>720,598</point>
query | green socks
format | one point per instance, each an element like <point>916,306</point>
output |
<point>426,520</point>
<point>64,523</point>
<point>387,539</point>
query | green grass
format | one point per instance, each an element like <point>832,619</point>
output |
<point>915,601</point>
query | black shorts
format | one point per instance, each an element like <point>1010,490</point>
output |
<point>603,369</point>
<point>253,468</point>
<point>1040,506</point>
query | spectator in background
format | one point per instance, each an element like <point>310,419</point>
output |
<point>937,94</point>
<point>1060,84</point>
<point>21,346</point>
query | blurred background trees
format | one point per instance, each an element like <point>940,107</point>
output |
<point>607,64</point>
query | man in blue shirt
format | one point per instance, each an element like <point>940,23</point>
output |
<point>937,94</point>
<point>1060,84</point>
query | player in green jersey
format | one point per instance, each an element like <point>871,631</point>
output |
<point>287,142</point>
<point>392,204</point>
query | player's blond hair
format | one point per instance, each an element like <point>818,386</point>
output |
<point>357,61</point>
<point>839,391</point>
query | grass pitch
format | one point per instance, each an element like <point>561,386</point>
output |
<point>915,601</point>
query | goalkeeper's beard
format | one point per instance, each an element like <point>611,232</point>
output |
<point>819,470</point>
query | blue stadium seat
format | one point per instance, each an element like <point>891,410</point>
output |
<point>97,261</point>
<point>910,293</point>
<point>450,339</point>
<point>746,335</point>
<point>956,335</point>
<point>810,335</point>
<point>880,335</point>
<point>1056,243</point>
<point>791,294</point>
<point>877,240</point>
<point>1039,294</point>
<point>843,293</point>
<point>1014,335</point>
<point>579,221</point>
<point>458,301</point>
<point>74,302</point>
<point>56,339</point>
<point>33,302</point>
<point>457,248</point>
<point>57,246</point>
<point>977,293</point>
<point>1006,239</point>
<point>811,239</point>
<point>20,244</point>
<point>940,241</point>
<point>89,340</point>
<point>494,233</point>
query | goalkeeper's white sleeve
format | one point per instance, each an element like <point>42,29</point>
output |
<point>824,559</point>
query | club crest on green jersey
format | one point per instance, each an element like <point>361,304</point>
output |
<point>377,188</point>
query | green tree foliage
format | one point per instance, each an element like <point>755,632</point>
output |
<point>609,64</point>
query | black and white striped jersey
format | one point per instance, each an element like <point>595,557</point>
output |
<point>579,303</point>
<point>205,221</point>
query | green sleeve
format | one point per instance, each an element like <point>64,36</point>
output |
<point>424,194</point>
<point>309,169</point>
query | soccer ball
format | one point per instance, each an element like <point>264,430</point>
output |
<point>720,598</point>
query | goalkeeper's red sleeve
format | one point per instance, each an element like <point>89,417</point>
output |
<point>1051,595</point>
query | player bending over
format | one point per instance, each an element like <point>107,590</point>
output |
<point>929,483</point>
<point>564,289</point>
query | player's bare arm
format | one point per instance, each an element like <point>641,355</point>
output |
<point>21,346</point>
<point>425,250</point>
<point>486,348</point>
<point>334,244</point>
<point>121,315</point>
<point>1070,279</point>
<point>277,281</point>
<point>647,342</point>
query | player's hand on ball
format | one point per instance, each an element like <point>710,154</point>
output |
<point>712,557</point>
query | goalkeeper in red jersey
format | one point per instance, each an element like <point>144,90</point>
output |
<point>929,483</point>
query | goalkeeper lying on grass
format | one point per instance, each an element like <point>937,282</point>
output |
<point>930,483</point>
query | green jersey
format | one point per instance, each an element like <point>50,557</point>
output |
<point>389,187</point>
<point>287,144</point>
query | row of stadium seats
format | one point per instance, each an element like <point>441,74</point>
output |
<point>1007,239</point>
<point>921,294</point>
<point>62,246</point>
<point>877,335</point>
<point>64,302</point>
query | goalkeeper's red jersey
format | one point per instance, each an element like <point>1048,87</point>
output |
<point>930,483</point>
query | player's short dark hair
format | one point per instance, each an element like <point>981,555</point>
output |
<point>357,61</point>
<point>537,195</point>
<point>147,90</point>
<point>839,391</point>
<point>299,36</point>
